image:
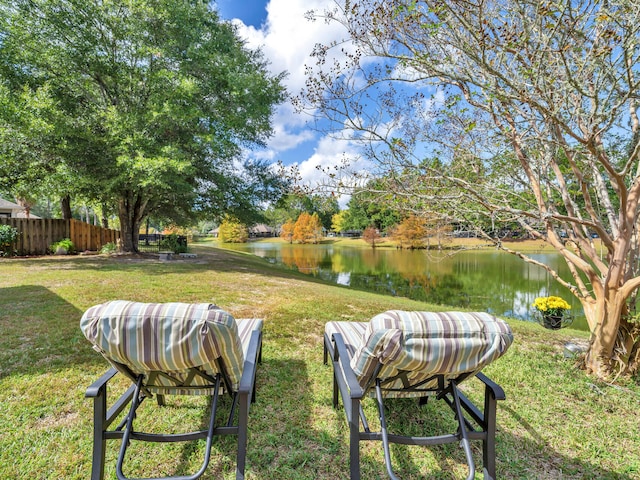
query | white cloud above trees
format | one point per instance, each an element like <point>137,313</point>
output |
<point>287,39</point>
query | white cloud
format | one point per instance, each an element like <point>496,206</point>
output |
<point>338,157</point>
<point>285,140</point>
<point>287,39</point>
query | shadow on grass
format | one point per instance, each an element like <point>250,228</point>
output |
<point>407,417</point>
<point>285,441</point>
<point>40,332</point>
<point>281,443</point>
<point>544,457</point>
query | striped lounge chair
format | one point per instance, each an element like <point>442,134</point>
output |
<point>171,349</point>
<point>417,354</point>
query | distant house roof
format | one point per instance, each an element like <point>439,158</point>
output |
<point>261,228</point>
<point>13,209</point>
<point>6,204</point>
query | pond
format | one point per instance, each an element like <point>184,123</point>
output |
<point>487,280</point>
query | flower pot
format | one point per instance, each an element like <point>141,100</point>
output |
<point>552,322</point>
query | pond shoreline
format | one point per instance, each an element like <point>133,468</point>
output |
<point>529,246</point>
<point>471,276</point>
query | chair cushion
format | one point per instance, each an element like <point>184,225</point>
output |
<point>246,326</point>
<point>167,337</point>
<point>420,345</point>
<point>352,333</point>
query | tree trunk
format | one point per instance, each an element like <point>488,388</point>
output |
<point>104,218</point>
<point>615,342</point>
<point>65,206</point>
<point>130,212</point>
<point>26,204</point>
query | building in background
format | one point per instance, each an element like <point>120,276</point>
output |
<point>13,210</point>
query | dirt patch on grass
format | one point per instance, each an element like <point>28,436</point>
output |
<point>58,420</point>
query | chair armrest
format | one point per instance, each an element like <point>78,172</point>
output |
<point>341,357</point>
<point>496,390</point>
<point>249,368</point>
<point>96,387</point>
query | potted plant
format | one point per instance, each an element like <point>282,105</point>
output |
<point>553,312</point>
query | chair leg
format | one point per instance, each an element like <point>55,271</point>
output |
<point>462,430</point>
<point>129,434</point>
<point>462,434</point>
<point>489,443</point>
<point>99,442</point>
<point>103,417</point>
<point>325,352</point>
<point>383,431</point>
<point>135,402</point>
<point>243,417</point>
<point>354,439</point>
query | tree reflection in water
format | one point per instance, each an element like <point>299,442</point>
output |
<point>485,280</point>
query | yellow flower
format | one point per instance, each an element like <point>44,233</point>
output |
<point>551,305</point>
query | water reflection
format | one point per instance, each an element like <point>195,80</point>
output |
<point>487,280</point>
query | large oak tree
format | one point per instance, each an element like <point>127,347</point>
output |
<point>149,104</point>
<point>502,115</point>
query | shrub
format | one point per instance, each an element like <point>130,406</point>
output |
<point>232,231</point>
<point>8,236</point>
<point>109,248</point>
<point>65,244</point>
<point>173,243</point>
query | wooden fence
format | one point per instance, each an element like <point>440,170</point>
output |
<point>36,235</point>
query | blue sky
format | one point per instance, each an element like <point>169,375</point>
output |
<point>250,12</point>
<point>286,38</point>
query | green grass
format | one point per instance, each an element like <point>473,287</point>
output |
<point>557,422</point>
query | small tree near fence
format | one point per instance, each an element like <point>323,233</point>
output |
<point>8,237</point>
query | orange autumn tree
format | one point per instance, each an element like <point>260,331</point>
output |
<point>286,231</point>
<point>308,228</point>
<point>371,235</point>
<point>411,232</point>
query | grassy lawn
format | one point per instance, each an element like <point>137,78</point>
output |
<point>556,422</point>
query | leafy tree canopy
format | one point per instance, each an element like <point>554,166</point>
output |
<point>286,231</point>
<point>338,221</point>
<point>375,204</point>
<point>307,228</point>
<point>149,105</point>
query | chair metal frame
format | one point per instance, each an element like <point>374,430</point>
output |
<point>104,415</point>
<point>473,424</point>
